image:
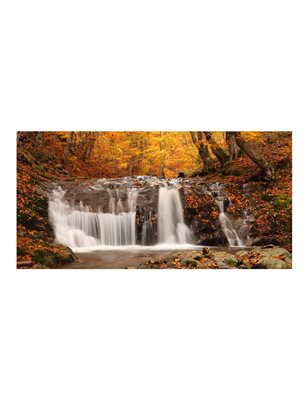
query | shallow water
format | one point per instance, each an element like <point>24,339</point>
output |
<point>111,258</point>
<point>115,259</point>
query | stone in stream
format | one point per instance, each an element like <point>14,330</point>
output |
<point>224,259</point>
<point>265,258</point>
<point>271,263</point>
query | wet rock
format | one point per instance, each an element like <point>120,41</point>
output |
<point>206,250</point>
<point>271,263</point>
<point>241,253</point>
<point>51,257</point>
<point>269,258</point>
<point>224,259</point>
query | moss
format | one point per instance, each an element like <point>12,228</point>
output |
<point>282,201</point>
<point>22,251</point>
<point>51,258</point>
<point>191,262</point>
<point>43,257</point>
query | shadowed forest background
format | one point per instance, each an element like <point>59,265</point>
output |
<point>255,169</point>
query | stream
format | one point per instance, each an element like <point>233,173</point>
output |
<point>120,223</point>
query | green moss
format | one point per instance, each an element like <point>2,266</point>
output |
<point>51,258</point>
<point>282,201</point>
<point>21,251</point>
<point>43,257</point>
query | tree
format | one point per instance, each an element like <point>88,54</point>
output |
<point>242,142</point>
<point>215,144</point>
<point>198,140</point>
<point>222,155</point>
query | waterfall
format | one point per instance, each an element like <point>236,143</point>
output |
<point>77,226</point>
<point>171,226</point>
<point>147,233</point>
<point>237,231</point>
<point>112,219</point>
<point>227,226</point>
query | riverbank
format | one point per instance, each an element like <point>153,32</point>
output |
<point>267,257</point>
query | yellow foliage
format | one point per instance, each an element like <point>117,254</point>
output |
<point>255,136</point>
<point>161,153</point>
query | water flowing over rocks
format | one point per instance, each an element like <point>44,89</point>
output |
<point>211,221</point>
<point>146,211</point>
<point>119,212</point>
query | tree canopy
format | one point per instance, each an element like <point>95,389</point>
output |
<point>161,153</point>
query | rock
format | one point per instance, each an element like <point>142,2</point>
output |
<point>241,253</point>
<point>267,258</point>
<point>206,250</point>
<point>191,262</point>
<point>225,260</point>
<point>288,261</point>
<point>51,258</point>
<point>271,263</point>
<point>272,252</point>
<point>279,251</point>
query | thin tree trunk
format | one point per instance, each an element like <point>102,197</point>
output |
<point>18,136</point>
<point>40,138</point>
<point>67,148</point>
<point>162,156</point>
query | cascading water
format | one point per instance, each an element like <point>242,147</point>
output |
<point>114,215</point>
<point>236,231</point>
<point>77,226</point>
<point>171,226</point>
<point>227,226</point>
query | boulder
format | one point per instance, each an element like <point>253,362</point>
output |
<point>265,258</point>
<point>224,259</point>
<point>273,252</point>
<point>271,263</point>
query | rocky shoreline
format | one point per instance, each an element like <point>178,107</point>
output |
<point>266,257</point>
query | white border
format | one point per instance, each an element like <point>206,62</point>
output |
<point>135,65</point>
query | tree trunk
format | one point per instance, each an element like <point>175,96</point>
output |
<point>68,145</point>
<point>218,151</point>
<point>40,138</point>
<point>234,149</point>
<point>202,149</point>
<point>163,150</point>
<point>267,168</point>
<point>90,140</point>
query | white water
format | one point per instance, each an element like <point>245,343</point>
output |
<point>171,226</point>
<point>227,226</point>
<point>79,227</point>
<point>236,232</point>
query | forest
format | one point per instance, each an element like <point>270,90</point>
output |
<point>154,199</point>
